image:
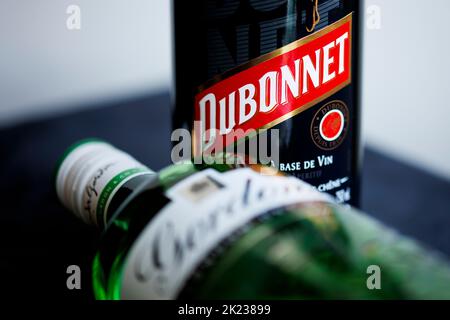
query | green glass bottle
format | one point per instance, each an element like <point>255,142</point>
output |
<point>206,232</point>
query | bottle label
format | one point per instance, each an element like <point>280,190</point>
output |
<point>205,210</point>
<point>272,88</point>
<point>104,183</point>
<point>90,174</point>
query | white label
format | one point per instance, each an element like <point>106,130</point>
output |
<point>105,182</point>
<point>207,207</point>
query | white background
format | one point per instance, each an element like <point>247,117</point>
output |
<point>124,48</point>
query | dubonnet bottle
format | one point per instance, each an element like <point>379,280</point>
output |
<point>247,67</point>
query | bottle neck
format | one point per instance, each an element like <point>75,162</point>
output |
<point>94,177</point>
<point>120,197</point>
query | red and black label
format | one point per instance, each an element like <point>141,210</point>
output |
<point>260,65</point>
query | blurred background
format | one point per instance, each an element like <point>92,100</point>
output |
<point>58,85</point>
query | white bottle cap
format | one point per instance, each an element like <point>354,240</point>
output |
<point>89,174</point>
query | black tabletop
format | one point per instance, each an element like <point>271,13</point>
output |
<point>40,239</point>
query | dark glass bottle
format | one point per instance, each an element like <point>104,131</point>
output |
<point>319,139</point>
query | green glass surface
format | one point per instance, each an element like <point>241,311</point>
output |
<point>307,251</point>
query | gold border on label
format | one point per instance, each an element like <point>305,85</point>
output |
<point>278,52</point>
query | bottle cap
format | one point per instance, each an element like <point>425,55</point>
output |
<point>89,174</point>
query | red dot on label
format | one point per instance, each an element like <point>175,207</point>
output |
<point>331,125</point>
